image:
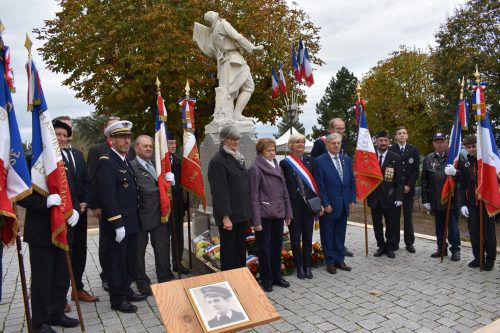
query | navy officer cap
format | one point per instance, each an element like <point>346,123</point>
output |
<point>215,292</point>
<point>382,134</point>
<point>439,136</point>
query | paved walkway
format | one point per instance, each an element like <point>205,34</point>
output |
<point>412,293</point>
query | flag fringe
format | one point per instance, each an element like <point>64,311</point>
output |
<point>21,196</point>
<point>61,228</point>
<point>15,228</point>
<point>40,190</point>
<point>36,102</point>
<point>486,201</point>
<point>380,179</point>
<point>445,198</point>
<point>68,215</point>
<point>197,195</point>
<point>479,106</point>
<point>164,219</point>
<point>162,118</point>
<point>465,128</point>
<point>30,107</point>
<point>479,117</point>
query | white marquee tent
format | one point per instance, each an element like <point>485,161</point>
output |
<point>282,142</point>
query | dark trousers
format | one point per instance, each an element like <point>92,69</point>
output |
<point>301,225</point>
<point>120,261</point>
<point>453,232</point>
<point>489,238</point>
<point>392,233</point>
<point>233,246</point>
<point>49,283</point>
<point>179,231</point>
<point>102,251</point>
<point>269,244</point>
<point>161,245</point>
<point>408,203</point>
<point>332,232</point>
<point>78,251</point>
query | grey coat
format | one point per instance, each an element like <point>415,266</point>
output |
<point>268,191</point>
<point>229,188</point>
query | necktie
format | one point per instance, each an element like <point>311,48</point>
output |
<point>380,161</point>
<point>128,166</point>
<point>402,151</point>
<point>70,161</point>
<point>151,169</point>
<point>339,169</point>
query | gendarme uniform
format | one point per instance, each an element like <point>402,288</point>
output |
<point>118,195</point>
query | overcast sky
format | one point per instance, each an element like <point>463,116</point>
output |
<point>355,34</point>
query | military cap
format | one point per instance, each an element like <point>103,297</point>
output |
<point>382,134</point>
<point>56,123</point>
<point>122,127</point>
<point>170,135</point>
<point>439,136</point>
<point>215,292</point>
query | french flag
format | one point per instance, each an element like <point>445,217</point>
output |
<point>48,174</point>
<point>307,73</point>
<point>295,65</point>
<point>275,84</point>
<point>162,159</point>
<point>282,81</point>
<point>301,54</point>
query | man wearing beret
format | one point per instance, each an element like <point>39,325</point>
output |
<point>435,173</point>
<point>118,195</point>
<point>387,198</point>
<point>218,300</point>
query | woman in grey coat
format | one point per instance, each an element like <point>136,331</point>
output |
<point>228,178</point>
<point>270,205</point>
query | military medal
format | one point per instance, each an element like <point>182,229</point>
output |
<point>410,160</point>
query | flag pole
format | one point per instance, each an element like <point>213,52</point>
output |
<point>481,204</point>
<point>358,90</point>
<point>188,202</point>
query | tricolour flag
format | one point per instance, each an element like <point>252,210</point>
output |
<point>275,84</point>
<point>479,103</point>
<point>15,183</point>
<point>295,65</point>
<point>282,81</point>
<point>454,149</point>
<point>366,168</point>
<point>48,174</point>
<point>300,54</point>
<point>162,159</point>
<point>191,177</point>
<point>307,73</point>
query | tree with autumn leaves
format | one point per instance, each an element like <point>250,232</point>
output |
<point>113,50</point>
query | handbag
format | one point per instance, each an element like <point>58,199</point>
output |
<point>313,205</point>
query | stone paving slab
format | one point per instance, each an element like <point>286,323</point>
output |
<point>411,293</point>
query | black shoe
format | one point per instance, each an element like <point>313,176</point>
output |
<point>390,253</point>
<point>395,248</point>
<point>455,256</point>
<point>146,290</point>
<point>282,283</point>
<point>268,287</point>
<point>136,298</point>
<point>379,252</point>
<point>125,307</point>
<point>347,253</point>
<point>300,273</point>
<point>105,285</point>
<point>64,321</point>
<point>184,270</point>
<point>44,329</point>
<point>488,265</point>
<point>309,275</point>
<point>171,275</point>
<point>474,263</point>
<point>437,254</point>
<point>410,248</point>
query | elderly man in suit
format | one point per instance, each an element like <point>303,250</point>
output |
<point>386,200</point>
<point>150,216</point>
<point>411,161</point>
<point>118,193</point>
<point>95,153</point>
<point>338,188</point>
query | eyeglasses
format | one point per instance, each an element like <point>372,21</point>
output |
<point>234,139</point>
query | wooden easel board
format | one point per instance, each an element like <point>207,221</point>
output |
<point>178,314</point>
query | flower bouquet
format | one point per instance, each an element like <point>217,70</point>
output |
<point>286,263</point>
<point>318,257</point>
<point>253,266</point>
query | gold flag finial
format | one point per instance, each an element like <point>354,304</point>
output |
<point>358,89</point>
<point>2,28</point>
<point>462,90</point>
<point>187,88</point>
<point>27,45</point>
<point>158,83</point>
<point>477,75</point>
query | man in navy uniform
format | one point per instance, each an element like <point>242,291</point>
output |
<point>411,162</point>
<point>218,299</point>
<point>118,195</point>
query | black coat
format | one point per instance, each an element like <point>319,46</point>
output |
<point>229,187</point>
<point>468,182</point>
<point>411,163</point>
<point>118,194</point>
<point>83,183</point>
<point>292,183</point>
<point>95,153</point>
<point>382,196</point>
<point>177,192</point>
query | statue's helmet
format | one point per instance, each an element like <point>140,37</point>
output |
<point>211,18</point>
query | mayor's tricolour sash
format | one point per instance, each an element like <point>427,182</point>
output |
<point>302,171</point>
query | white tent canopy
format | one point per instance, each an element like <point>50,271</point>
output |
<point>282,142</point>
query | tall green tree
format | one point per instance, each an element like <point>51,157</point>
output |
<point>90,128</point>
<point>337,103</point>
<point>284,126</point>
<point>112,52</point>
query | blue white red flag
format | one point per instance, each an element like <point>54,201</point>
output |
<point>295,65</point>
<point>367,172</point>
<point>275,84</point>
<point>301,54</point>
<point>48,174</point>
<point>479,103</point>
<point>307,73</point>
<point>454,149</point>
<point>162,159</point>
<point>251,260</point>
<point>9,73</point>
<point>15,183</point>
<point>282,82</point>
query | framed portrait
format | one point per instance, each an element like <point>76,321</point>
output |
<point>217,306</point>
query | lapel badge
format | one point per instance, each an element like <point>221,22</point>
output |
<point>145,174</point>
<point>125,185</point>
<point>343,162</point>
<point>122,171</point>
<point>65,168</point>
<point>467,164</point>
<point>410,160</point>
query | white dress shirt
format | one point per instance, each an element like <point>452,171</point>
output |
<point>335,163</point>
<point>72,157</point>
<point>383,157</point>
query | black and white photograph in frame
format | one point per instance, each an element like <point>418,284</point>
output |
<point>217,306</point>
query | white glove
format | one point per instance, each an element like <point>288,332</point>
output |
<point>53,200</point>
<point>169,177</point>
<point>398,203</point>
<point>120,234</point>
<point>73,219</point>
<point>427,206</point>
<point>465,211</point>
<point>450,170</point>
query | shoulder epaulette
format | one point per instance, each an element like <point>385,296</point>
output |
<point>104,157</point>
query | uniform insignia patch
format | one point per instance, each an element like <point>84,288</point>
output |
<point>410,160</point>
<point>65,168</point>
<point>122,171</point>
<point>125,185</point>
<point>105,157</point>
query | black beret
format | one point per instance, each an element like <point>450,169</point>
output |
<point>170,135</point>
<point>56,123</point>
<point>383,134</point>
